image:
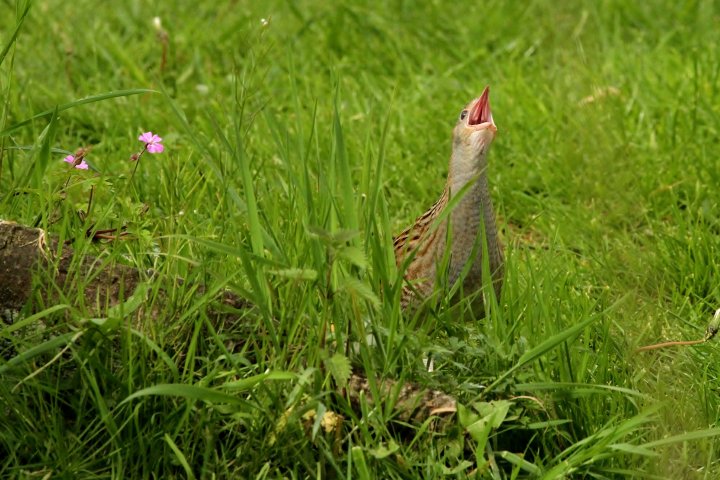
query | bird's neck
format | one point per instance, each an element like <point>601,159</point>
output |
<point>470,174</point>
<point>472,215</point>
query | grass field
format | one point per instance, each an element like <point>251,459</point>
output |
<point>299,136</point>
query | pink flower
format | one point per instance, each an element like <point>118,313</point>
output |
<point>71,159</point>
<point>152,142</point>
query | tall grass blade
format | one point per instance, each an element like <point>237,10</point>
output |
<point>13,327</point>
<point>83,101</point>
<point>542,349</point>
<point>190,392</point>
<point>180,457</point>
<point>13,36</point>
<point>46,346</point>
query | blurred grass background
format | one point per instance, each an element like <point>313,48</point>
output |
<point>288,125</point>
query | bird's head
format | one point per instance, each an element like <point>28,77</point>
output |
<point>475,129</point>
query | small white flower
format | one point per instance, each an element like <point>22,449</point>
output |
<point>264,22</point>
<point>157,23</point>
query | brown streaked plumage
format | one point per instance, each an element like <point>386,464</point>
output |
<point>423,244</point>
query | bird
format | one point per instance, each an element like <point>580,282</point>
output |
<point>421,248</point>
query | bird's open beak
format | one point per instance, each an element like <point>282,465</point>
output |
<point>480,112</point>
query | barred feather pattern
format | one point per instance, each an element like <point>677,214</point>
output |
<point>423,245</point>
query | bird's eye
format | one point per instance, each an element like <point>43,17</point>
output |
<point>463,115</point>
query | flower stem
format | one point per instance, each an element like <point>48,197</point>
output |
<point>137,162</point>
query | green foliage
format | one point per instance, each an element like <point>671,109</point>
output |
<point>295,147</point>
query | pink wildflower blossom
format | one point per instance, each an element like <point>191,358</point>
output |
<point>71,160</point>
<point>152,142</point>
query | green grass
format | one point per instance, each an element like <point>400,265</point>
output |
<point>294,150</point>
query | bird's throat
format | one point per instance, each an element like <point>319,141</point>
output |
<point>472,216</point>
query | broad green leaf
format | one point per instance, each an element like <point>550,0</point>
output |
<point>295,273</point>
<point>361,289</point>
<point>250,382</point>
<point>339,367</point>
<point>383,451</point>
<point>336,238</point>
<point>360,463</point>
<point>490,415</point>
<point>354,255</point>
<point>457,469</point>
<point>496,410</point>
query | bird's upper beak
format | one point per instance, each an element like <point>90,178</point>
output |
<point>480,113</point>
